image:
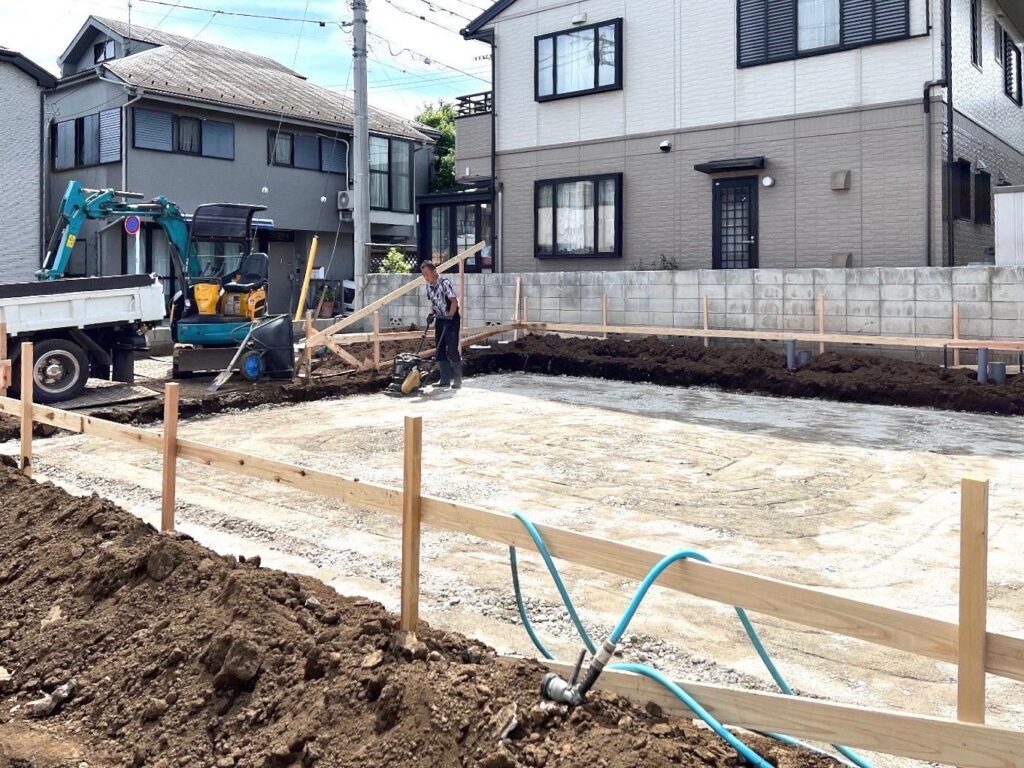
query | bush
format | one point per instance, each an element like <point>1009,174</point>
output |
<point>395,263</point>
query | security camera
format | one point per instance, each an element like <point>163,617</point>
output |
<point>666,146</point>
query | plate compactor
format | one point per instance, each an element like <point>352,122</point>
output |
<point>411,371</point>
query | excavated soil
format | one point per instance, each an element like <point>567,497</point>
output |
<point>176,656</point>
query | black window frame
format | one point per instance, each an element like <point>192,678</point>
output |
<point>1012,59</point>
<point>616,86</point>
<point>79,143</point>
<point>273,134</point>
<point>390,175</point>
<point>175,135</point>
<point>977,49</point>
<point>768,58</point>
<point>983,198</point>
<point>1000,41</point>
<point>595,179</point>
<point>108,52</point>
<point>960,187</point>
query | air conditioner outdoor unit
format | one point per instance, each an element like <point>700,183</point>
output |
<point>345,202</point>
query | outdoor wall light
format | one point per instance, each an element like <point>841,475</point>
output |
<point>767,181</point>
<point>666,146</point>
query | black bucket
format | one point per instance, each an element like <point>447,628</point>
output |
<point>274,337</point>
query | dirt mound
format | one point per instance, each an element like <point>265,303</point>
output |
<point>841,376</point>
<point>148,649</point>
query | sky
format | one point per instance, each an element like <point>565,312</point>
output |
<point>419,60</point>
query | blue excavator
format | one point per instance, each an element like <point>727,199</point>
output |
<point>218,315</point>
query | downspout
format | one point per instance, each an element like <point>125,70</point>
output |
<point>497,246</point>
<point>139,94</point>
<point>43,174</point>
<point>928,168</point>
<point>947,43</point>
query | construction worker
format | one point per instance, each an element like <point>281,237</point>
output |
<point>444,306</point>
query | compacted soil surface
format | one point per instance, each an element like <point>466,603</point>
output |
<point>123,647</point>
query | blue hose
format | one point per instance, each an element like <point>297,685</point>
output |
<point>650,672</point>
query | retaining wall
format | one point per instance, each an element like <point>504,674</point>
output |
<point>888,301</point>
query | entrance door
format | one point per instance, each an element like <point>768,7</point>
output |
<point>281,277</point>
<point>735,224</point>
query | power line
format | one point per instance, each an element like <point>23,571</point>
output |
<point>415,15</point>
<point>318,22</point>
<point>428,60</point>
<point>441,9</point>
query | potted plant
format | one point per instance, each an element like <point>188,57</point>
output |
<point>327,302</point>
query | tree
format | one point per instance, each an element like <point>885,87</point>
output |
<point>441,116</point>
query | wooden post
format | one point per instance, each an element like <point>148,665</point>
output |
<point>376,338</point>
<point>604,314</point>
<point>526,316</point>
<point>821,322</point>
<point>515,313</point>
<point>170,451</point>
<point>973,600</point>
<point>27,395</point>
<point>462,303</point>
<point>411,523</point>
<point>3,357</point>
<point>705,312</point>
<point>956,334</point>
<point>307,351</point>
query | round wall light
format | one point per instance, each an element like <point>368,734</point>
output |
<point>767,181</point>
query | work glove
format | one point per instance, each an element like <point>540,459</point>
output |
<point>431,318</point>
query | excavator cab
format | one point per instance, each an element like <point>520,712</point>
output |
<point>225,283</point>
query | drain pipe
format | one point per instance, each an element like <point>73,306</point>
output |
<point>947,45</point>
<point>139,94</point>
<point>928,167</point>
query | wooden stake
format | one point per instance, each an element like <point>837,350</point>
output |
<point>821,322</point>
<point>411,487</point>
<point>462,303</point>
<point>4,362</point>
<point>705,312</point>
<point>170,451</point>
<point>956,334</point>
<point>27,395</point>
<point>307,352</point>
<point>515,313</point>
<point>376,339</point>
<point>526,315</point>
<point>604,314</point>
<point>973,600</point>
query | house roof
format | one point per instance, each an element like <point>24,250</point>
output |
<point>219,77</point>
<point>29,67</point>
<point>472,30</point>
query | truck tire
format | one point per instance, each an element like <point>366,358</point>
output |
<point>60,370</point>
<point>124,366</point>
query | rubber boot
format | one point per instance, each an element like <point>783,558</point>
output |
<point>446,373</point>
<point>457,375</point>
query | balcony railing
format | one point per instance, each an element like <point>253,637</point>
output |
<point>474,104</point>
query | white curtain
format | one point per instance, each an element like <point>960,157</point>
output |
<point>606,217</point>
<point>576,61</point>
<point>575,217</point>
<point>818,22</point>
<point>545,222</point>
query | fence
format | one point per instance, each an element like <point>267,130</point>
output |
<point>965,742</point>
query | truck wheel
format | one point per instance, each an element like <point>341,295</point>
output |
<point>124,366</point>
<point>60,371</point>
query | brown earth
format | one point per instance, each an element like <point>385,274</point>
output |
<point>181,657</point>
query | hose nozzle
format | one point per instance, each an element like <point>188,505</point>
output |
<point>554,688</point>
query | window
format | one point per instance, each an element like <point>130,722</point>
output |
<point>780,30</point>
<point>380,191</point>
<point>103,51</point>
<point>1000,42</point>
<point>401,176</point>
<point>308,152</point>
<point>189,136</point>
<point>89,140</point>
<point>1011,69</point>
<point>218,140</point>
<point>983,197</point>
<point>976,32</point>
<point>333,156</point>
<point>281,148</point>
<point>580,217</point>
<point>579,61</point>
<point>962,189</point>
<point>817,24</point>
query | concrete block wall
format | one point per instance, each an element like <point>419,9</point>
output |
<point>913,301</point>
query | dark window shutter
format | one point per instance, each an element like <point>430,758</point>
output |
<point>752,31</point>
<point>307,152</point>
<point>983,197</point>
<point>858,22</point>
<point>962,189</point>
<point>110,136</point>
<point>154,130</point>
<point>892,19</point>
<point>781,29</point>
<point>332,156</point>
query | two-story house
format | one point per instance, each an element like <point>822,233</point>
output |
<point>745,133</point>
<point>22,83</point>
<point>155,113</point>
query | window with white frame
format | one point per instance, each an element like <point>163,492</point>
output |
<point>579,61</point>
<point>579,217</point>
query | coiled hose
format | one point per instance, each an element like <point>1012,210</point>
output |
<point>641,669</point>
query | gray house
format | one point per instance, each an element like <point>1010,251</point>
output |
<point>21,165</point>
<point>159,114</point>
<point>745,133</point>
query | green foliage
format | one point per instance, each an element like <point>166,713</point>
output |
<point>441,116</point>
<point>395,263</point>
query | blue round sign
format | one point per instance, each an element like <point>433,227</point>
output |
<point>132,224</point>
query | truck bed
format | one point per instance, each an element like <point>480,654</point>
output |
<point>80,303</point>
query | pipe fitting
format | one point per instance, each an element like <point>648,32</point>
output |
<point>554,688</point>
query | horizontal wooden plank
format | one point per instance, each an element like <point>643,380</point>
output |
<point>999,345</point>
<point>931,739</point>
<point>888,627</point>
<point>86,425</point>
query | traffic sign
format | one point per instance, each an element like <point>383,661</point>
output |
<point>132,224</point>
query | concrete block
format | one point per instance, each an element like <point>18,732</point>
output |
<point>743,322</point>
<point>931,326</point>
<point>799,307</point>
<point>896,276</point>
<point>798,277</point>
<point>661,291</point>
<point>897,291</point>
<point>550,304</point>
<point>709,277</point>
<point>803,292</point>
<point>570,316</point>
<point>933,309</point>
<point>739,276</point>
<point>638,291</point>
<point>617,317</point>
<point>864,276</point>
<point>934,292</point>
<point>637,318</point>
<point>979,310</point>
<point>897,309</point>
<point>768,306</point>
<point>799,323</point>
<point>863,292</point>
<point>590,317</point>
<point>638,305</point>
<point>713,291</point>
<point>933,275</point>
<point>739,291</point>
<point>1008,291</point>
<point>766,291</point>
<point>1007,275</point>
<point>771,322</point>
<point>897,326</point>
<point>595,278</point>
<point>688,305</point>
<point>716,306</point>
<point>1006,310</point>
<point>686,277</point>
<point>591,293</point>
<point>866,324</point>
<point>686,320</point>
<point>686,291</point>
<point>829,277</point>
<point>971,292</point>
<point>549,290</point>
<point>835,324</point>
<point>739,306</point>
<point>615,290</point>
<point>1008,329</point>
<point>972,275</point>
<point>660,305</point>
<point>548,316</point>
<point>661,319</point>
<point>768,277</point>
<point>717,320</point>
<point>636,278</point>
<point>831,292</point>
<point>976,329</point>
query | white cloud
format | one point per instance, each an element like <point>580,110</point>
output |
<point>400,80</point>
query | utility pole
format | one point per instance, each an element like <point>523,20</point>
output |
<point>360,151</point>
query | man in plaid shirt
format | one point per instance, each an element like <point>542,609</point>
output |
<point>444,306</point>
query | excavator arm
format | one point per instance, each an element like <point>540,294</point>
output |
<point>80,205</point>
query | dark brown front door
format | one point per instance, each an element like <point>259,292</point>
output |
<point>735,223</point>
